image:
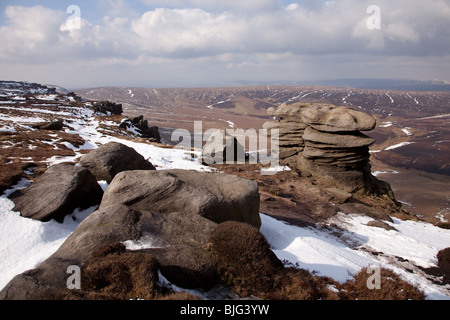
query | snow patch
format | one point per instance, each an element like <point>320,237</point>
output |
<point>340,256</point>
<point>377,173</point>
<point>398,145</point>
<point>386,124</point>
<point>407,131</point>
<point>27,242</point>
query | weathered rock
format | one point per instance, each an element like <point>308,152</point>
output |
<point>178,240</point>
<point>380,224</point>
<point>108,107</point>
<point>175,228</point>
<point>335,157</point>
<point>142,127</point>
<point>222,147</point>
<point>218,197</point>
<point>338,140</point>
<point>111,158</point>
<point>54,125</point>
<point>339,196</point>
<point>58,192</point>
<point>335,152</point>
<point>112,224</point>
<point>288,111</point>
<point>291,128</point>
<point>443,257</point>
<point>141,207</point>
<point>347,177</point>
<point>329,118</point>
<point>26,287</point>
<point>324,142</point>
<point>362,209</point>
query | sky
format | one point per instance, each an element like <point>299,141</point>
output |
<point>196,43</point>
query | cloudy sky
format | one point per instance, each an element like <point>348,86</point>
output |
<point>156,43</point>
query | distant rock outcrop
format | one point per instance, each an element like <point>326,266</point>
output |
<point>222,147</point>
<point>58,192</point>
<point>108,107</point>
<point>111,158</point>
<point>142,127</point>
<point>53,125</point>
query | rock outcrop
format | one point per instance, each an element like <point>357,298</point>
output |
<point>142,127</point>
<point>329,118</point>
<point>215,196</point>
<point>166,217</point>
<point>336,152</point>
<point>58,192</point>
<point>111,158</point>
<point>221,147</point>
<point>291,129</point>
<point>53,125</point>
<point>326,143</point>
<point>108,107</point>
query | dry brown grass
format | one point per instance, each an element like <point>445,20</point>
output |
<point>299,284</point>
<point>443,257</point>
<point>22,150</point>
<point>112,271</point>
<point>246,262</point>
<point>179,296</point>
<point>392,287</point>
<point>249,267</point>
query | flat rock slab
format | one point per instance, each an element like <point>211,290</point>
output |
<point>288,111</point>
<point>215,196</point>
<point>353,140</point>
<point>334,119</point>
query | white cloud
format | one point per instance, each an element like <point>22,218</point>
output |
<point>217,5</point>
<point>333,28</point>
<point>30,30</point>
<point>409,28</point>
<point>117,8</point>
<point>304,37</point>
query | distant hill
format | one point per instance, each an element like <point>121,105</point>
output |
<point>414,121</point>
<point>381,84</point>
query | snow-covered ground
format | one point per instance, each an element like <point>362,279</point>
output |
<point>340,257</point>
<point>26,242</point>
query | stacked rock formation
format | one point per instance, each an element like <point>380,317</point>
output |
<point>291,128</point>
<point>335,151</point>
<point>325,142</point>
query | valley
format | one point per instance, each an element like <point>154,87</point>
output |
<point>412,136</point>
